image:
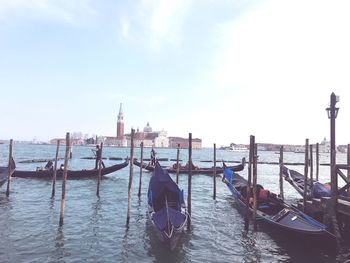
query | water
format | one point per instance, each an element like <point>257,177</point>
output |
<point>94,228</point>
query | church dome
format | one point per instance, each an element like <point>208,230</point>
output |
<point>147,128</point>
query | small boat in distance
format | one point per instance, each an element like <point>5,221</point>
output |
<point>166,207</point>
<point>275,214</point>
<point>71,174</point>
<point>239,148</point>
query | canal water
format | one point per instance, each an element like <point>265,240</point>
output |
<point>95,230</point>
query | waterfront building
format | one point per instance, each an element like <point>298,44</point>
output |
<point>174,141</point>
<point>149,137</point>
<point>325,146</point>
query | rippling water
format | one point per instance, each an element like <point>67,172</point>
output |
<point>94,228</point>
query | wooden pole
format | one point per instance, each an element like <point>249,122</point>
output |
<point>311,166</point>
<point>177,163</point>
<point>9,169</point>
<point>71,151</point>
<point>99,172</point>
<point>66,156</point>
<point>255,175</point>
<point>348,163</point>
<point>141,157</point>
<point>189,197</point>
<point>251,154</point>
<point>306,173</point>
<point>55,170</point>
<point>317,160</point>
<point>333,168</point>
<point>214,173</point>
<point>281,173</point>
<point>130,175</point>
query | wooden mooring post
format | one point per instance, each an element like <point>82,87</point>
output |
<point>189,194</point>
<point>250,164</point>
<point>306,169</point>
<point>141,161</point>
<point>55,171</point>
<point>348,163</point>
<point>214,173</point>
<point>99,172</point>
<point>9,169</point>
<point>177,163</point>
<point>64,179</point>
<point>281,173</point>
<point>317,160</point>
<point>255,179</point>
<point>130,175</point>
<point>311,166</point>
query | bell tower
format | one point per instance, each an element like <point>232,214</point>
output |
<point>120,124</point>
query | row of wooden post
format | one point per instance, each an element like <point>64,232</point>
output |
<point>307,162</point>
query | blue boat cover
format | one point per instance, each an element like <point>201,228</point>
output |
<point>320,190</point>
<point>161,189</point>
<point>176,218</point>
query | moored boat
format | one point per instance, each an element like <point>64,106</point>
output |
<point>71,174</point>
<point>4,172</point>
<point>314,189</point>
<point>195,169</point>
<point>277,215</point>
<point>166,207</point>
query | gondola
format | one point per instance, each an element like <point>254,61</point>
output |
<point>276,215</point>
<point>166,207</point>
<point>4,172</point>
<point>314,189</point>
<point>71,174</point>
<point>195,169</point>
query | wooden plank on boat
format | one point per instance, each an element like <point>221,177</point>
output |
<point>115,158</point>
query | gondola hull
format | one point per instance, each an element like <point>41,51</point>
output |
<point>279,216</point>
<point>205,171</point>
<point>71,174</point>
<point>169,241</point>
<point>3,175</point>
<point>166,207</point>
<point>4,172</point>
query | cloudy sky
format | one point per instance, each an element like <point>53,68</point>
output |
<point>222,70</point>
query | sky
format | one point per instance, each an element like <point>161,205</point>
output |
<point>222,70</point>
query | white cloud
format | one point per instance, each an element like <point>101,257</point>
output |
<point>278,65</point>
<point>164,21</point>
<point>125,26</point>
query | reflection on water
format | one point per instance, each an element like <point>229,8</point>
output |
<point>60,252</point>
<point>95,230</point>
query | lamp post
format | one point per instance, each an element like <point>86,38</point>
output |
<point>332,112</point>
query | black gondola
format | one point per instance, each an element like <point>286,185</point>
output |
<point>195,169</point>
<point>4,172</point>
<point>166,207</point>
<point>71,174</point>
<point>314,189</point>
<point>277,215</point>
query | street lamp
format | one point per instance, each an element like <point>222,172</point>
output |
<point>329,112</point>
<point>332,113</point>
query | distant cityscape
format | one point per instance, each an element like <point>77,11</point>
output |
<point>159,139</point>
<point>324,147</point>
<point>150,138</point>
